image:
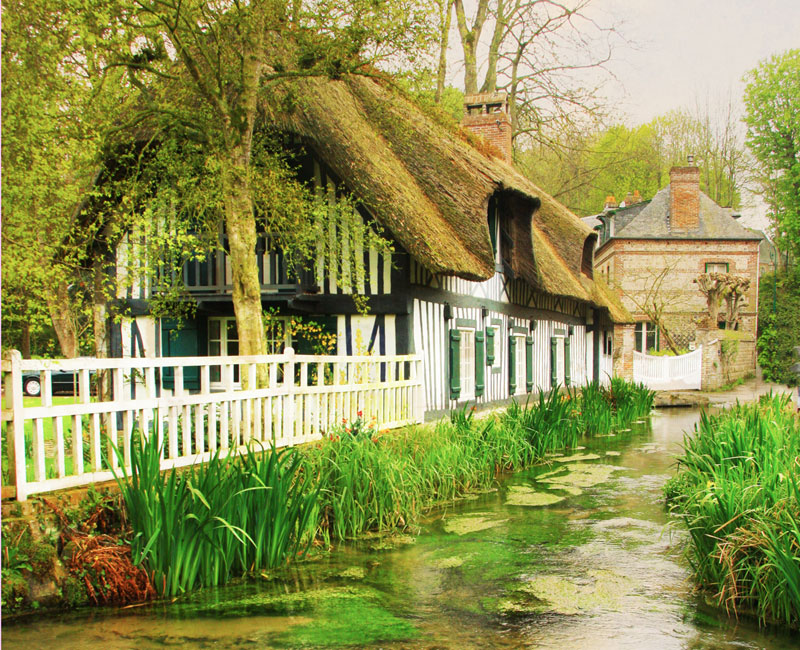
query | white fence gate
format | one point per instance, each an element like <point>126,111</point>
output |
<point>669,373</point>
<point>55,446</point>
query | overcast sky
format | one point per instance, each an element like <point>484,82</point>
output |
<point>685,49</point>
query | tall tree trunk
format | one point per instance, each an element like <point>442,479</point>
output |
<point>490,80</point>
<point>441,71</point>
<point>241,228</point>
<point>470,37</point>
<point>100,299</point>
<point>60,309</point>
<point>25,342</point>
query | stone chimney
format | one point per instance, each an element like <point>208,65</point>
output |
<point>611,203</point>
<point>684,198</point>
<point>487,115</point>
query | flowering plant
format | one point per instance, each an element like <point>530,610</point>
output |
<point>358,429</point>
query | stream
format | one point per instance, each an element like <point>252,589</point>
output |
<point>576,553</point>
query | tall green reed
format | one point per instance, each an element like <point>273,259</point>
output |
<point>207,523</point>
<point>737,492</point>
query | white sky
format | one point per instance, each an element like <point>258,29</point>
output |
<point>689,49</point>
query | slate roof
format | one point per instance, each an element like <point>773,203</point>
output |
<point>652,221</point>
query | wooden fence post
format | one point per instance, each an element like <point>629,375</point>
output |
<point>15,436</point>
<point>288,384</point>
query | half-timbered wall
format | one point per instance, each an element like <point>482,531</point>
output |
<point>431,336</point>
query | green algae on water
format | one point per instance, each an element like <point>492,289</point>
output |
<point>579,475</point>
<point>464,524</point>
<point>577,457</point>
<point>519,495</point>
<point>448,562</point>
<point>353,573</point>
<point>344,619</point>
<point>556,594</point>
<point>569,489</point>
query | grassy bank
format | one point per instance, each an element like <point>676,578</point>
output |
<point>738,493</point>
<point>205,525</point>
<point>371,481</point>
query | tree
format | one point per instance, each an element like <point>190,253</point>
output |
<point>650,294</point>
<point>57,106</point>
<point>204,69</point>
<point>772,105</point>
<point>537,51</point>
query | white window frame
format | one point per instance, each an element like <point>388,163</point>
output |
<point>710,267</point>
<point>223,342</point>
<point>272,343</point>
<point>466,363</point>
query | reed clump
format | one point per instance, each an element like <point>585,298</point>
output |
<point>210,522</point>
<point>737,493</point>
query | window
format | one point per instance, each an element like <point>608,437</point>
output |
<point>646,337</point>
<point>467,363</point>
<point>716,267</point>
<point>277,335</point>
<point>223,340</point>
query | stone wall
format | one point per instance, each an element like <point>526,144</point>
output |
<point>727,356</point>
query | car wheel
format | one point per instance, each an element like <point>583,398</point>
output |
<point>32,387</point>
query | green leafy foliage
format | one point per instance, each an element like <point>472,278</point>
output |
<point>772,102</point>
<point>737,493</point>
<point>778,333</point>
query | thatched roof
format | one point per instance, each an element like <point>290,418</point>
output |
<point>429,184</point>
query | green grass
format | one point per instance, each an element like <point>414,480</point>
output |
<point>737,492</point>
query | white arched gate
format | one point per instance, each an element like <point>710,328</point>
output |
<point>669,373</point>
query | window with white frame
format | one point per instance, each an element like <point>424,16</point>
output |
<point>467,363</point>
<point>276,334</point>
<point>223,340</point>
<point>716,267</point>
<point>519,362</point>
<point>646,337</point>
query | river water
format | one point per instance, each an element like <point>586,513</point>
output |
<point>578,553</point>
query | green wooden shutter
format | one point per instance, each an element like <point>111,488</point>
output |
<point>553,361</point>
<point>183,342</point>
<point>490,346</point>
<point>529,363</point>
<point>512,366</point>
<point>455,364</point>
<point>480,368</point>
<point>567,377</point>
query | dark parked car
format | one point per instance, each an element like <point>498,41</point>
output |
<point>63,381</point>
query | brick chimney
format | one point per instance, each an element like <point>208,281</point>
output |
<point>487,115</point>
<point>684,198</point>
<point>611,203</point>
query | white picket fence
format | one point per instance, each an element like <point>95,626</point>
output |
<point>682,372</point>
<point>303,397</point>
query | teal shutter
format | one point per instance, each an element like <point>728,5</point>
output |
<point>490,346</point>
<point>529,363</point>
<point>480,368</point>
<point>455,364</point>
<point>512,369</point>
<point>183,342</point>
<point>567,377</point>
<point>553,362</point>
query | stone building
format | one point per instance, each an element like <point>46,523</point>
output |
<point>652,251</point>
